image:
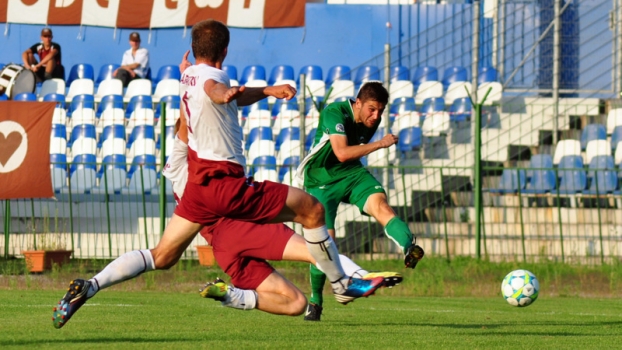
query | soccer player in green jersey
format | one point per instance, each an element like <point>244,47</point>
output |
<point>333,173</point>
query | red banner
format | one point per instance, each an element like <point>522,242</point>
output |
<point>25,129</point>
<point>155,13</point>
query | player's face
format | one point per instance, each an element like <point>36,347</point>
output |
<point>370,112</point>
<point>46,38</point>
<point>134,44</point>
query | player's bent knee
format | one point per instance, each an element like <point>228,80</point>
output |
<point>316,216</point>
<point>164,260</point>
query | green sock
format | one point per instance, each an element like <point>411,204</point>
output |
<point>318,278</point>
<point>399,232</point>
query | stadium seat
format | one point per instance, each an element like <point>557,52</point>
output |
<point>258,133</point>
<point>4,97</point>
<point>460,110</point>
<point>454,74</point>
<point>142,175</point>
<point>259,148</point>
<point>424,74</point>
<point>338,73</point>
<point>281,72</point>
<point>264,168</point>
<point>366,73</point>
<point>58,98</point>
<point>141,141</point>
<point>311,72</point>
<point>140,116</point>
<point>512,181</point>
<point>340,89</point>
<point>312,107</point>
<point>139,101</point>
<point>169,140</point>
<point>231,71</point>
<point>458,89</point>
<point>315,88</point>
<point>287,134</point>
<point>105,72</point>
<point>111,116</point>
<point>401,88</point>
<point>58,144</point>
<point>432,105</point>
<point>286,114</point>
<point>112,174</point>
<point>254,72</point>
<point>496,92</point>
<point>383,156</point>
<point>540,175</point>
<point>614,119</point>
<point>83,173</point>
<point>171,110</point>
<point>52,86</point>
<point>137,87</point>
<point>597,148</point>
<point>81,71</point>
<point>566,148</point>
<point>403,114</point>
<point>592,132</point>
<point>113,143</point>
<point>487,74</point>
<point>58,167</point>
<point>59,116</point>
<point>109,87</point>
<point>409,139</point>
<point>572,176</point>
<point>83,131</point>
<point>288,166</point>
<point>310,138</point>
<point>25,97</point>
<point>436,124</point>
<point>256,115</point>
<point>80,87</point>
<point>166,87</point>
<point>59,130</point>
<point>168,72</point>
<point>602,176</point>
<point>112,132</point>
<point>399,73</point>
<point>82,116</point>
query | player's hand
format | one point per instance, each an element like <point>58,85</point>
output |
<point>184,62</point>
<point>388,141</point>
<point>233,93</point>
<point>285,91</point>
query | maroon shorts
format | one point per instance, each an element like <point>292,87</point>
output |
<point>232,197</point>
<point>242,248</point>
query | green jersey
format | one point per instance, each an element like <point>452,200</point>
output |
<point>321,165</point>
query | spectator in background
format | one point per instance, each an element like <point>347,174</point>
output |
<point>49,64</point>
<point>135,62</point>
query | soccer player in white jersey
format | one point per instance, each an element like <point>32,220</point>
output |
<point>217,186</point>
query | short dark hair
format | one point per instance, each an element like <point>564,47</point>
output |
<point>134,36</point>
<point>46,31</point>
<point>209,39</point>
<point>373,90</point>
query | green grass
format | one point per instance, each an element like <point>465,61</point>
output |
<point>156,319</point>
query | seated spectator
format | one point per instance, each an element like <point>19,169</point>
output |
<point>49,64</point>
<point>135,62</point>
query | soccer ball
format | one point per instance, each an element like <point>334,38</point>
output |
<point>520,288</point>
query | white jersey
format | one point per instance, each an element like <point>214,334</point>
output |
<point>176,168</point>
<point>214,132</point>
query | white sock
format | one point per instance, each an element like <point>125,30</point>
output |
<point>350,267</point>
<point>242,299</point>
<point>125,267</point>
<point>324,251</point>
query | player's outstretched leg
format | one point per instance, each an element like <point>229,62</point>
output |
<point>74,298</point>
<point>358,288</point>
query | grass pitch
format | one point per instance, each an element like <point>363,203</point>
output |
<point>172,320</point>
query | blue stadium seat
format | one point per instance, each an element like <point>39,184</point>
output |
<point>58,165</point>
<point>338,73</point>
<point>111,131</point>
<point>311,72</point>
<point>148,73</point>
<point>281,72</point>
<point>460,110</point>
<point>231,71</point>
<point>572,176</point>
<point>259,133</point>
<point>255,72</point>
<point>112,173</point>
<point>616,137</point>
<point>58,98</point>
<point>4,97</point>
<point>286,134</point>
<point>167,72</point>
<point>409,139</point>
<point>81,101</point>
<point>366,73</point>
<point>173,100</point>
<point>400,73</point>
<point>310,138</point>
<point>432,104</point>
<point>283,105</point>
<point>59,130</point>
<point>592,132</point>
<point>82,130</point>
<point>109,101</point>
<point>487,74</point>
<point>149,174</point>
<point>169,134</point>
<point>141,132</point>
<point>105,72</point>
<point>401,105</point>
<point>541,175</point>
<point>80,71</point>
<point>83,173</point>
<point>259,105</point>
<point>425,73</point>
<point>289,164</point>
<point>602,176</point>
<point>454,74</point>
<point>511,181</point>
<point>25,97</point>
<point>266,162</point>
<point>140,101</point>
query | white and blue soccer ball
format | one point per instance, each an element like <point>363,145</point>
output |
<point>520,288</point>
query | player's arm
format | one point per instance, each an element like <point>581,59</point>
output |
<point>25,54</point>
<point>345,152</point>
<point>252,95</point>
<point>181,127</point>
<point>49,57</point>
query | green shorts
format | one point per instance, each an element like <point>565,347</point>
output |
<point>355,189</point>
